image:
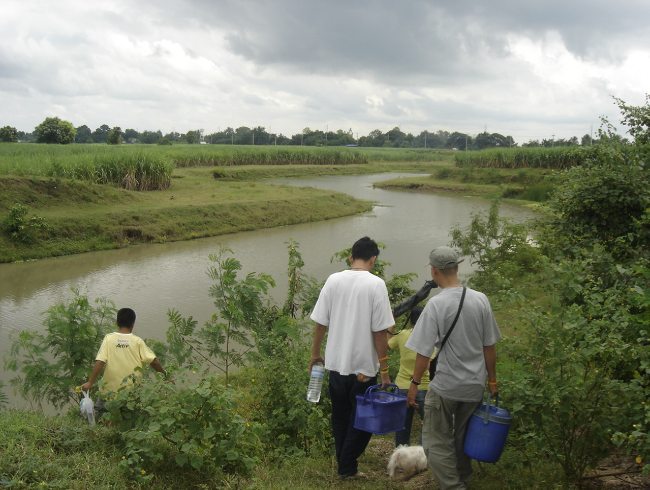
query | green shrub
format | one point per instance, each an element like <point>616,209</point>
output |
<point>186,424</point>
<point>20,228</point>
<point>276,389</point>
<point>52,362</point>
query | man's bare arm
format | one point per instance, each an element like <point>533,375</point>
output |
<point>97,369</point>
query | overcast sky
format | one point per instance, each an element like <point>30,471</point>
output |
<point>531,69</point>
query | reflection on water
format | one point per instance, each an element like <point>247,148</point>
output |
<point>154,278</point>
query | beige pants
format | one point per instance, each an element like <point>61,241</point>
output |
<point>443,436</point>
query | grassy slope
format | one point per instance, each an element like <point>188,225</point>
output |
<point>63,452</point>
<point>83,217</point>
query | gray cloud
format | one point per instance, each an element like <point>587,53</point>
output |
<point>529,69</point>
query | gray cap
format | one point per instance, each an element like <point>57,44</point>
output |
<point>444,257</point>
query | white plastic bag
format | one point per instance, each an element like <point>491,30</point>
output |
<point>87,408</point>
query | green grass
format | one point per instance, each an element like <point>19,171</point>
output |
<point>82,216</point>
<point>514,184</point>
<point>87,194</point>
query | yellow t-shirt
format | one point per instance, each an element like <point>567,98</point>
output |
<point>122,353</point>
<point>407,361</point>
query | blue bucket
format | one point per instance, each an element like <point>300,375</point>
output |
<point>487,432</point>
<point>380,412</point>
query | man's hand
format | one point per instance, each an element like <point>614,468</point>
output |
<point>86,386</point>
<point>410,397</point>
<point>493,388</point>
<point>313,361</point>
<point>385,380</point>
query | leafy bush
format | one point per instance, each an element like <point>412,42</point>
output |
<point>570,389</point>
<point>186,424</point>
<point>50,363</point>
<point>19,227</point>
<point>227,338</point>
<point>602,201</point>
<point>500,248</point>
<point>276,395</point>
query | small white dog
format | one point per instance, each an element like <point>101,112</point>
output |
<point>406,462</point>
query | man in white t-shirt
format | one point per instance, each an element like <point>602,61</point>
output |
<point>465,363</point>
<point>354,311</point>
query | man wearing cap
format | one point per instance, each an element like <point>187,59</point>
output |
<point>466,363</point>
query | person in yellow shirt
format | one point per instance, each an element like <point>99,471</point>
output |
<point>403,379</point>
<point>120,354</point>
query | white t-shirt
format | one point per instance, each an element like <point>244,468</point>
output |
<point>461,372</point>
<point>353,305</point>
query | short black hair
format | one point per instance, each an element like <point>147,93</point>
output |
<point>126,318</point>
<point>364,248</point>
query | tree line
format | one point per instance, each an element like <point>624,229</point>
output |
<point>58,131</point>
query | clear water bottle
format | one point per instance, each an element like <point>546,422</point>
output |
<point>315,382</point>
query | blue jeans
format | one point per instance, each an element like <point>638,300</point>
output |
<point>404,436</point>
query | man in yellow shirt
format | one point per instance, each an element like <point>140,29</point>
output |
<point>120,354</point>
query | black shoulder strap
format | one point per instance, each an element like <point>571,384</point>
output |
<point>460,306</point>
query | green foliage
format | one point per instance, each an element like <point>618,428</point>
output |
<point>37,451</point>
<point>275,387</point>
<point>296,279</point>
<point>187,424</point>
<point>8,134</point>
<point>133,171</point>
<point>227,339</point>
<point>602,201</point>
<point>55,130</point>
<point>50,363</point>
<point>20,228</point>
<point>553,158</point>
<point>114,136</point>
<point>564,392</point>
<point>637,119</point>
<point>499,247</point>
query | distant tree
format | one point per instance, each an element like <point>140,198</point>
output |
<point>460,141</point>
<point>374,138</point>
<point>493,140</point>
<point>55,130</point>
<point>243,136</point>
<point>150,137</point>
<point>261,136</point>
<point>8,134</point>
<point>174,136</point>
<point>193,137</point>
<point>587,140</point>
<point>84,135</point>
<point>131,136</point>
<point>101,133</point>
<point>27,137</point>
<point>428,139</point>
<point>395,138</point>
<point>114,136</point>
